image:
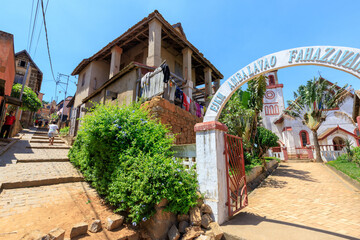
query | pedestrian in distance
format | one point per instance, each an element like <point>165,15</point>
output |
<point>9,121</point>
<point>53,128</point>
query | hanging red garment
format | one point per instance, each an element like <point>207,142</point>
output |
<point>186,102</point>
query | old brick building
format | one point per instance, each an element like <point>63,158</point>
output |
<point>33,80</point>
<point>114,74</point>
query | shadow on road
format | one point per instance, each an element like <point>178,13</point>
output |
<point>244,219</point>
<point>288,171</point>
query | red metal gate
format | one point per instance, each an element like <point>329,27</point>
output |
<point>235,174</point>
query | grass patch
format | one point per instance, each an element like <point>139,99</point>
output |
<point>349,168</point>
<point>268,159</point>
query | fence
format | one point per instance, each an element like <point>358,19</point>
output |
<point>331,152</point>
<point>187,153</point>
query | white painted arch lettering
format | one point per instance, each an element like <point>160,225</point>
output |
<point>341,58</point>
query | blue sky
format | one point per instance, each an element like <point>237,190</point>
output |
<point>231,34</point>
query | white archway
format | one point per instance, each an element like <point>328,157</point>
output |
<point>341,58</point>
<point>210,158</point>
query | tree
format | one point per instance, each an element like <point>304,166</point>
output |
<point>242,111</point>
<point>264,140</point>
<point>312,102</point>
<point>257,89</point>
<point>30,101</point>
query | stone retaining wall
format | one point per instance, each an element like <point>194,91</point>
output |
<point>180,121</point>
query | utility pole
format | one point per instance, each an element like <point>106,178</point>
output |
<point>22,89</point>
<point>67,83</point>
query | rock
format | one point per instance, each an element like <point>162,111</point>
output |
<point>206,208</point>
<point>204,237</point>
<point>192,232</point>
<point>163,203</point>
<point>216,229</point>
<point>57,234</point>
<point>78,230</point>
<point>206,220</point>
<point>95,226</point>
<point>158,225</point>
<point>35,235</point>
<point>114,221</point>
<point>210,234</point>
<point>127,234</point>
<point>182,226</point>
<point>183,217</point>
<point>200,200</point>
<point>133,235</point>
<point>195,216</point>
<point>173,233</point>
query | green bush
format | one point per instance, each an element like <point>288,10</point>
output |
<point>64,131</point>
<point>30,101</point>
<point>126,156</point>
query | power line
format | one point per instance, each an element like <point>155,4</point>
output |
<point>34,24</point>
<point>47,40</point>
<point>37,42</point>
<point>32,10</point>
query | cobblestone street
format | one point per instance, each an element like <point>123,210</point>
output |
<point>300,201</point>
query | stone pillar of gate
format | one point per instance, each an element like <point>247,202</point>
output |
<point>211,166</point>
<point>285,153</point>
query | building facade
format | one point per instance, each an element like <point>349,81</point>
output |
<point>33,80</point>
<point>115,72</point>
<point>294,136</point>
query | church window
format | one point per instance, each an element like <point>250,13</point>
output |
<point>271,80</point>
<point>276,110</point>
<point>304,137</point>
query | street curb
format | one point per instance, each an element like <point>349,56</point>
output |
<point>48,147</point>
<point>39,183</point>
<point>42,160</point>
<point>345,177</point>
<point>8,146</point>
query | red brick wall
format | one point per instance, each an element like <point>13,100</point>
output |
<point>7,61</point>
<point>179,120</point>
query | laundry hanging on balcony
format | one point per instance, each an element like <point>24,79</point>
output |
<point>152,84</point>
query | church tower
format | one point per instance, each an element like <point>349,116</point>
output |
<point>273,102</point>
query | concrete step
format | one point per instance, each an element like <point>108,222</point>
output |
<point>45,141</point>
<point>48,147</point>
<point>42,182</point>
<point>40,133</point>
<point>44,137</point>
<point>299,161</point>
<point>38,174</point>
<point>64,159</point>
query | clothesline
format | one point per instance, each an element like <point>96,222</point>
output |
<point>159,82</point>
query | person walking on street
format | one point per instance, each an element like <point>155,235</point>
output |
<point>9,121</point>
<point>52,130</point>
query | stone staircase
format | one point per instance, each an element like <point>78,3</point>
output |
<point>39,165</point>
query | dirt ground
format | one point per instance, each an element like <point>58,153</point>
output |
<point>81,206</point>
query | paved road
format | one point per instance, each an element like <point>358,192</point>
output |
<point>300,201</point>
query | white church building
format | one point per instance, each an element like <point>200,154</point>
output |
<point>295,139</point>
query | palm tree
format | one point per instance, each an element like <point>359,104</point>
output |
<point>312,103</point>
<point>242,111</point>
<point>257,89</point>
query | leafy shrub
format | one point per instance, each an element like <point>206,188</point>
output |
<point>126,156</point>
<point>64,131</point>
<point>30,101</point>
<point>356,155</point>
